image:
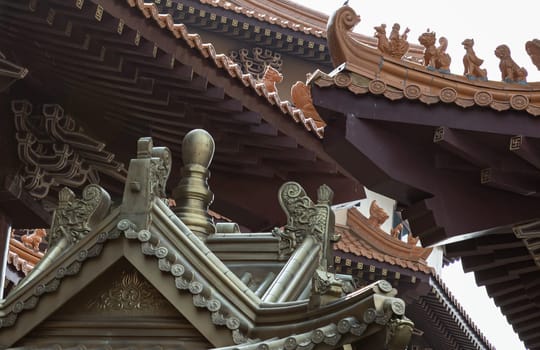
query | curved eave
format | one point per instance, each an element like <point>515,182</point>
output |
<point>396,79</point>
<point>207,50</point>
<point>291,15</point>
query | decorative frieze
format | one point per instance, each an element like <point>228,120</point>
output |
<point>130,293</point>
<point>56,151</point>
<point>256,60</point>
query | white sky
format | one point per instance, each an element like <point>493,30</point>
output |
<point>490,24</point>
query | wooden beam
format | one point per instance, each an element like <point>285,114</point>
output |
<point>523,148</point>
<point>505,273</point>
<point>495,259</point>
<point>457,143</point>
<point>516,183</point>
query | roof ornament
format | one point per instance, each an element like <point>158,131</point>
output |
<point>192,194</point>
<point>55,151</point>
<point>435,58</point>
<point>309,229</point>
<point>510,71</point>
<point>301,98</point>
<point>256,60</point>
<point>73,219</point>
<point>533,49</point>
<point>270,78</point>
<point>396,45</point>
<point>377,215</point>
<point>472,63</point>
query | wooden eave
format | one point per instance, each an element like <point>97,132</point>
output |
<point>439,161</point>
<point>281,25</point>
<point>165,82</point>
<point>444,321</point>
<point>368,253</point>
<point>507,265</point>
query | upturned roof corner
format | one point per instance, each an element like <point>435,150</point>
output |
<point>314,306</point>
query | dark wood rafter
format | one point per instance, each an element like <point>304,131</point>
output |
<point>150,83</point>
<point>389,167</point>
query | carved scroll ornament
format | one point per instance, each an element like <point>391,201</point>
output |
<point>74,217</point>
<point>256,60</point>
<point>307,218</point>
<point>56,151</point>
<point>72,221</point>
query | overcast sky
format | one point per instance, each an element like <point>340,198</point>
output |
<point>490,24</point>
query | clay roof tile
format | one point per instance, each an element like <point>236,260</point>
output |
<point>207,50</point>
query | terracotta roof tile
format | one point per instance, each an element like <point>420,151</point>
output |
<point>362,71</point>
<point>358,238</point>
<point>285,19</point>
<point>441,290</point>
<point>22,257</point>
<point>222,61</point>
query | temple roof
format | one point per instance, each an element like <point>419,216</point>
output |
<point>397,78</point>
<point>361,238</point>
<point>365,250</point>
<point>217,302</point>
<point>207,50</point>
<point>458,153</point>
<point>165,82</point>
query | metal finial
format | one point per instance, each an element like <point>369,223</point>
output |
<point>193,195</point>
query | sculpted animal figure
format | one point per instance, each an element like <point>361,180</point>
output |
<point>382,41</point>
<point>396,45</point>
<point>471,62</point>
<point>34,240</point>
<point>377,215</point>
<point>435,57</point>
<point>510,71</point>
<point>301,97</point>
<point>533,50</point>
<point>396,231</point>
<point>270,78</point>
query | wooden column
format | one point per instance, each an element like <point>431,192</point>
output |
<point>5,227</point>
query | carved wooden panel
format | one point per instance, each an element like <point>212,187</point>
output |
<point>56,151</point>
